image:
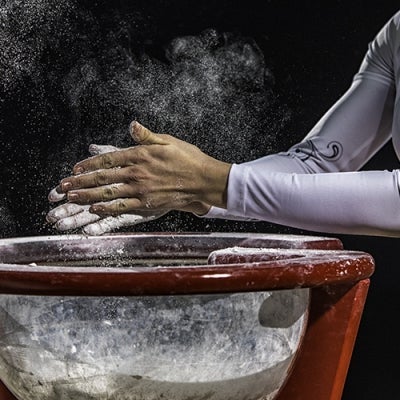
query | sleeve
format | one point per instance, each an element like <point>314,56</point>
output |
<point>378,61</point>
<point>365,203</point>
<point>285,188</point>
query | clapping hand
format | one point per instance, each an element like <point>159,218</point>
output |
<point>71,216</point>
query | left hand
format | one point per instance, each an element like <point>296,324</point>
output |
<point>163,173</point>
<point>69,216</point>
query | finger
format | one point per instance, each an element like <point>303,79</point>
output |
<point>109,224</point>
<point>64,211</point>
<point>56,195</point>
<point>142,135</point>
<point>119,158</point>
<point>96,149</point>
<point>92,179</point>
<point>102,226</point>
<point>101,194</point>
<point>76,221</point>
<point>118,207</point>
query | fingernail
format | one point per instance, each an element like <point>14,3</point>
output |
<point>135,131</point>
<point>78,170</point>
<point>50,219</point>
<point>59,190</point>
<point>73,196</point>
<point>56,195</point>
<point>132,126</point>
<point>66,186</point>
<point>96,209</point>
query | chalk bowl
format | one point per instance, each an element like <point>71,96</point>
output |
<point>140,316</point>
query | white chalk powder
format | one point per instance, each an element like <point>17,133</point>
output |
<point>214,347</point>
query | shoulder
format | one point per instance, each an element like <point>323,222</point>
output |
<point>389,35</point>
<point>396,19</point>
<point>383,54</point>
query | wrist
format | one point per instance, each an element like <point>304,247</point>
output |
<point>215,183</point>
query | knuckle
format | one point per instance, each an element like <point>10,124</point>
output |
<point>142,153</point>
<point>100,178</point>
<point>141,190</point>
<point>121,206</point>
<point>132,174</point>
<point>106,161</point>
<point>109,192</point>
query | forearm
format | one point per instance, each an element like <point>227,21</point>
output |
<point>345,138</point>
<point>364,202</point>
<point>280,162</point>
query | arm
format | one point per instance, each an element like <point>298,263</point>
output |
<point>366,203</point>
<point>289,188</point>
<point>346,137</point>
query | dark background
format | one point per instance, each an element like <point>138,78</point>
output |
<point>313,49</point>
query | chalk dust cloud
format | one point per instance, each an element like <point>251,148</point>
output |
<point>74,73</point>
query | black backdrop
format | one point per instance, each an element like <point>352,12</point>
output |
<point>313,49</point>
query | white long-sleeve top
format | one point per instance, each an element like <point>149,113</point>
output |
<point>316,185</point>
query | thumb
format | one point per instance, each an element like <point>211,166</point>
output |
<point>142,135</point>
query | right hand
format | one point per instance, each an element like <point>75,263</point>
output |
<point>161,173</point>
<point>69,216</point>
